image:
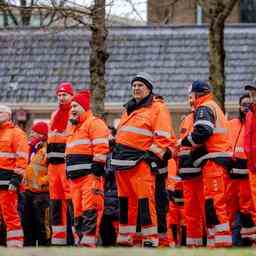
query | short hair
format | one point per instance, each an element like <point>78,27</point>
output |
<point>246,95</point>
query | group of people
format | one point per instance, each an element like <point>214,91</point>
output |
<point>77,182</point>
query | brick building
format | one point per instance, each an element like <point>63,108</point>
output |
<point>189,12</point>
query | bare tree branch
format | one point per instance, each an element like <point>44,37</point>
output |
<point>229,6</point>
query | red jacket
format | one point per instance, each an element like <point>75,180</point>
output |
<point>250,139</point>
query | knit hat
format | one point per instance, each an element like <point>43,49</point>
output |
<point>144,78</point>
<point>5,109</point>
<point>200,86</point>
<point>251,86</point>
<point>83,99</point>
<point>40,127</point>
<point>65,87</point>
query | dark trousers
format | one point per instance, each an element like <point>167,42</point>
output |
<point>107,231</point>
<point>36,219</point>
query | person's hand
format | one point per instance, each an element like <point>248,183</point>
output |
<point>14,183</point>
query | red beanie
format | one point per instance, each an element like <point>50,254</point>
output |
<point>40,127</point>
<point>65,87</point>
<point>83,99</point>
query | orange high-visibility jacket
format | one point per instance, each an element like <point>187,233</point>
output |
<point>185,162</point>
<point>217,145</point>
<point>236,138</point>
<point>88,143</point>
<point>13,151</point>
<point>36,178</point>
<point>219,141</point>
<point>174,184</point>
<point>147,128</point>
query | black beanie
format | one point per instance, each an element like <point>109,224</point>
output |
<point>144,78</point>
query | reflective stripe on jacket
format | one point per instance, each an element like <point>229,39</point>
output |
<point>147,128</point>
<point>217,143</point>
<point>174,184</point>
<point>13,148</point>
<point>56,145</point>
<point>236,138</point>
<point>186,168</point>
<point>250,138</point>
<point>87,144</point>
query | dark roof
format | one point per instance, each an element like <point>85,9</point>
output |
<point>33,62</point>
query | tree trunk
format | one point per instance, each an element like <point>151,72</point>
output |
<point>98,57</point>
<point>217,60</point>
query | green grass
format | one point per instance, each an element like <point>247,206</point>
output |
<point>62,251</point>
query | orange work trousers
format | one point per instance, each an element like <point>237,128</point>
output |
<point>239,199</point>
<point>59,189</point>
<point>194,211</point>
<point>9,211</point>
<point>175,222</point>
<point>252,181</point>
<point>88,200</point>
<point>217,222</point>
<point>136,193</point>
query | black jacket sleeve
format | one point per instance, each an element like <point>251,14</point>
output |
<point>203,127</point>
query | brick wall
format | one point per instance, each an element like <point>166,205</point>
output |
<point>182,12</point>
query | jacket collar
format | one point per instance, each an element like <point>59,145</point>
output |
<point>201,100</point>
<point>132,105</point>
<point>6,124</point>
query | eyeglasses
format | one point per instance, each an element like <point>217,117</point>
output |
<point>245,105</point>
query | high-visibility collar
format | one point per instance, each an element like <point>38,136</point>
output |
<point>83,117</point>
<point>6,124</point>
<point>201,100</point>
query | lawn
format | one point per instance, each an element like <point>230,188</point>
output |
<point>61,251</point>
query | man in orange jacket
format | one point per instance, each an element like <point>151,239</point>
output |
<point>13,162</point>
<point>210,130</point>
<point>142,140</point>
<point>37,202</point>
<point>86,154</point>
<point>250,142</point>
<point>238,191</point>
<point>58,184</point>
<point>192,187</point>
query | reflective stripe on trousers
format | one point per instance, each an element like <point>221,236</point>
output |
<point>194,241</point>
<point>59,241</point>
<point>127,229</point>
<point>14,233</point>
<point>88,240</point>
<point>223,239</point>
<point>222,227</point>
<point>148,231</point>
<point>14,243</point>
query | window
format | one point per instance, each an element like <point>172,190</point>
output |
<point>248,11</point>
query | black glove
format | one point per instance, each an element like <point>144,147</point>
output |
<point>152,160</point>
<point>98,169</point>
<point>15,182</point>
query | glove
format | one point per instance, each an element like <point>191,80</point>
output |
<point>14,182</point>
<point>152,160</point>
<point>98,169</point>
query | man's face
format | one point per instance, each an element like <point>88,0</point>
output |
<point>252,94</point>
<point>191,101</point>
<point>245,105</point>
<point>192,97</point>
<point>4,116</point>
<point>76,110</point>
<point>64,98</point>
<point>139,90</point>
